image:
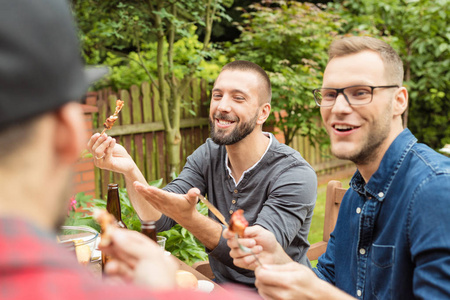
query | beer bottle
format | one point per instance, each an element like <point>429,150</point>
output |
<point>149,229</point>
<point>113,207</point>
<point>113,204</point>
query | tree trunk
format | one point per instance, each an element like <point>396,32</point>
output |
<point>173,143</point>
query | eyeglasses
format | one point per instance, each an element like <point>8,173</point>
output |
<point>355,95</point>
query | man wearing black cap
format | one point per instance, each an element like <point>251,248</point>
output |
<point>41,136</point>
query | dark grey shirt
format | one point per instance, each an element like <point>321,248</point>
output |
<point>278,193</point>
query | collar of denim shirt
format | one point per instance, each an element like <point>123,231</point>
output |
<point>380,182</point>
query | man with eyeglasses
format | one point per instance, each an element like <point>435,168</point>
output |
<point>392,236</point>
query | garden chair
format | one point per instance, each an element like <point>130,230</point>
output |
<point>335,193</point>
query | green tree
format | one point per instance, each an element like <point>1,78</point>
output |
<point>420,32</point>
<point>289,40</point>
<point>112,29</point>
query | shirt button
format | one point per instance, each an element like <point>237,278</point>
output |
<point>362,251</point>
<point>231,211</point>
<point>380,194</point>
<point>358,210</point>
<point>359,293</point>
<point>235,191</point>
<point>233,201</point>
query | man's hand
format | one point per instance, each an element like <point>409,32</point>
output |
<point>178,207</point>
<point>181,208</point>
<point>136,258</point>
<point>108,155</point>
<point>261,241</point>
<point>294,281</point>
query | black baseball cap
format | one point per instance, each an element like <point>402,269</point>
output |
<point>40,60</point>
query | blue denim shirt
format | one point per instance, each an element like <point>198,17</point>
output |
<point>392,236</point>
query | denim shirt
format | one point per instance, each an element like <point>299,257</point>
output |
<point>392,236</point>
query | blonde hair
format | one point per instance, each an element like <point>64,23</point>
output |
<point>355,44</point>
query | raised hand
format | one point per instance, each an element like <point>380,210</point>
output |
<point>109,155</point>
<point>176,206</point>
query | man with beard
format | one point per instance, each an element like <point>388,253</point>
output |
<point>392,236</point>
<point>41,137</point>
<point>239,167</point>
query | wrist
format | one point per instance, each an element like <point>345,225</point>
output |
<point>281,256</point>
<point>133,174</point>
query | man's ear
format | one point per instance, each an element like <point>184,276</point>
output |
<point>69,132</point>
<point>400,101</point>
<point>264,113</point>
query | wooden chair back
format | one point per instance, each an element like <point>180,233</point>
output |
<point>335,193</point>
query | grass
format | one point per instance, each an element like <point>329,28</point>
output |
<point>316,230</point>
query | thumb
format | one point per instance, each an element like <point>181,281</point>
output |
<point>192,195</point>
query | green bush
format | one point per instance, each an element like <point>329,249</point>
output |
<point>180,242</point>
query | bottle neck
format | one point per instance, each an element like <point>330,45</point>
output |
<point>149,229</point>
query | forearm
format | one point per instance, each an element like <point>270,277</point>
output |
<point>143,208</point>
<point>206,230</point>
<point>327,291</point>
<point>281,257</point>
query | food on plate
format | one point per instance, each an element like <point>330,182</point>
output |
<point>186,280</point>
<point>238,223</point>
<point>113,118</point>
<point>83,253</point>
<point>107,223</point>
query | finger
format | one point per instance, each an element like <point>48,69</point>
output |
<point>246,262</point>
<point>109,149</point>
<point>192,195</point>
<point>147,190</point>
<point>100,150</point>
<point>92,141</point>
<point>268,278</point>
<point>132,245</point>
<point>158,198</point>
<point>101,138</point>
<point>227,234</point>
<point>232,242</point>
<point>249,243</point>
<point>115,268</point>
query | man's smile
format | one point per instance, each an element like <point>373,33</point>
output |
<point>344,129</point>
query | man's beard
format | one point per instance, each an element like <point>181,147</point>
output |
<point>371,146</point>
<point>238,133</point>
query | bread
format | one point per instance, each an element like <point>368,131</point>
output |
<point>83,253</point>
<point>186,280</point>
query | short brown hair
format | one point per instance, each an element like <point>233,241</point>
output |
<point>244,65</point>
<point>355,44</point>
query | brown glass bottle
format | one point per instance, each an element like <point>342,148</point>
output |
<point>113,204</point>
<point>149,229</point>
<point>113,207</point>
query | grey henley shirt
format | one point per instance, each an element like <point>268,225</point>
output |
<point>278,193</point>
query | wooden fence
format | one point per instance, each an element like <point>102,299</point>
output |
<point>140,130</point>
